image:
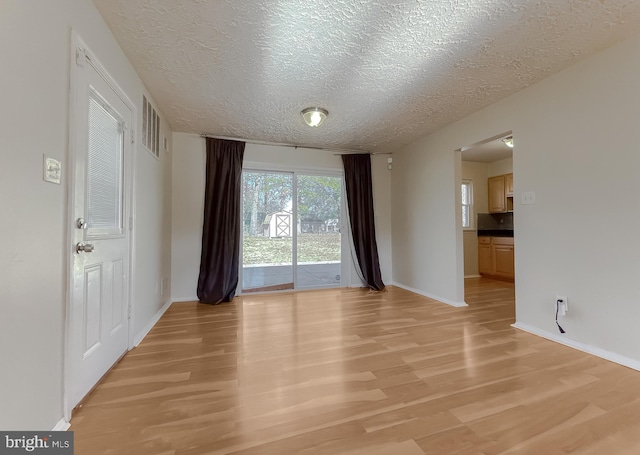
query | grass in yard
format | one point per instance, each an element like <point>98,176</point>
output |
<point>311,248</point>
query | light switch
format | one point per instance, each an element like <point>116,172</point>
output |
<point>52,170</point>
<point>528,197</point>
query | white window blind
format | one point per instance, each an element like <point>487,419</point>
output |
<point>104,167</point>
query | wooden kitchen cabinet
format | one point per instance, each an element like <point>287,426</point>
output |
<point>496,257</point>
<point>500,193</point>
<point>497,201</point>
<point>508,184</point>
<point>503,261</point>
<point>484,256</point>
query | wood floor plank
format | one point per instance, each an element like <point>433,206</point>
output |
<point>346,371</point>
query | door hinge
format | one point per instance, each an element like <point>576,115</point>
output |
<point>131,223</point>
<point>81,57</point>
<point>125,128</point>
<point>129,311</point>
<point>133,136</point>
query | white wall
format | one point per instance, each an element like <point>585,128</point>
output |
<point>152,234</point>
<point>500,167</point>
<point>425,205</point>
<point>477,173</point>
<point>35,39</point>
<point>188,200</point>
<point>187,216</point>
<point>577,142</point>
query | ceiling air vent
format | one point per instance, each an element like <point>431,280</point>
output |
<point>150,128</point>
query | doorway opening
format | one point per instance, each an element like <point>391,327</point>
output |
<point>487,196</point>
<point>292,236</point>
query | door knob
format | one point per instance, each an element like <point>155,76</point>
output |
<point>86,247</point>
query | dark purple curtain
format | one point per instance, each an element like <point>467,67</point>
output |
<point>357,175</point>
<point>218,278</point>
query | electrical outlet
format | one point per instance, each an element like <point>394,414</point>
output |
<point>563,304</point>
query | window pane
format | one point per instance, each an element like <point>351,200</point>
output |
<point>465,193</point>
<point>319,239</point>
<point>466,204</point>
<point>267,232</point>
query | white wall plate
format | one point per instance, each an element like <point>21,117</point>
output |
<point>52,170</point>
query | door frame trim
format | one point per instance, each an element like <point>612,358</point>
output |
<point>76,43</point>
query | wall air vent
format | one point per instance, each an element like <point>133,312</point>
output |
<point>150,128</point>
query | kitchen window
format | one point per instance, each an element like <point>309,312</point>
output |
<point>467,204</point>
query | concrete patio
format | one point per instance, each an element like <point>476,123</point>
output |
<point>310,275</point>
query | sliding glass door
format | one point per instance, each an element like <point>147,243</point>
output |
<point>268,231</point>
<point>291,235</point>
<point>319,238</point>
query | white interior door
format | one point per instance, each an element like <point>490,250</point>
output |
<point>98,320</point>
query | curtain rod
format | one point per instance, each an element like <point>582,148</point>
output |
<point>369,153</point>
<point>282,144</point>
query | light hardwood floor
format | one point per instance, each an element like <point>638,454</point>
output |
<point>349,372</point>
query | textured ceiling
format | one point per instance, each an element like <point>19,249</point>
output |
<point>388,71</point>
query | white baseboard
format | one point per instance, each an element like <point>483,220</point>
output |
<point>431,296</point>
<point>62,425</point>
<point>598,352</point>
<point>156,317</point>
<point>185,299</point>
<point>473,276</point>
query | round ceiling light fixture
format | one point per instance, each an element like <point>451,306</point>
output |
<point>508,141</point>
<point>314,116</point>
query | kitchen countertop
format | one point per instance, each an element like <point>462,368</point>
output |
<point>496,233</point>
